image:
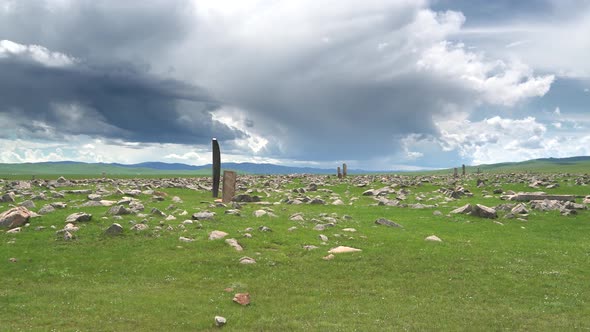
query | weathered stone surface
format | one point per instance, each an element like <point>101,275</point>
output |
<point>343,249</point>
<point>433,238</point>
<point>14,230</point>
<point>388,223</point>
<point>350,230</point>
<point>139,227</point>
<point>15,217</point>
<point>79,217</point>
<point>29,204</point>
<point>216,235</point>
<point>535,196</point>
<point>185,239</point>
<point>247,260</point>
<point>205,215</point>
<point>260,213</point>
<point>47,208</point>
<point>242,298</point>
<point>114,229</point>
<point>119,210</point>
<point>7,198</point>
<point>309,247</point>
<point>519,209</point>
<point>483,211</point>
<point>463,210</point>
<point>329,257</point>
<point>323,238</point>
<point>67,236</point>
<point>338,202</point>
<point>234,244</point>
<point>220,321</point>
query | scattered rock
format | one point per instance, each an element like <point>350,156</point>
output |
<point>79,217</point>
<point>351,230</point>
<point>118,210</point>
<point>463,210</point>
<point>388,223</point>
<point>15,217</point>
<point>29,204</point>
<point>206,215</point>
<point>242,298</point>
<point>483,211</point>
<point>220,321</point>
<point>234,244</point>
<point>216,235</point>
<point>185,239</point>
<point>309,247</point>
<point>114,229</point>
<point>329,257</point>
<point>139,227</point>
<point>323,238</point>
<point>342,249</point>
<point>247,260</point>
<point>12,260</point>
<point>433,238</point>
<point>14,230</point>
<point>260,213</point>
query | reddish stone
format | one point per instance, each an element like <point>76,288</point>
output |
<point>242,298</point>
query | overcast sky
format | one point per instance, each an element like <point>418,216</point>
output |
<point>379,84</point>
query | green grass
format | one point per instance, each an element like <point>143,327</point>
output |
<point>530,276</point>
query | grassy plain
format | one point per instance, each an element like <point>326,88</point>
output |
<point>518,275</point>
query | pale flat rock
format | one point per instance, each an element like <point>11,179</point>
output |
<point>247,260</point>
<point>433,238</point>
<point>234,244</point>
<point>139,227</point>
<point>185,239</point>
<point>260,213</point>
<point>351,230</point>
<point>203,215</point>
<point>216,235</point>
<point>343,249</point>
<point>14,230</point>
<point>329,257</point>
<point>323,238</point>
<point>338,202</point>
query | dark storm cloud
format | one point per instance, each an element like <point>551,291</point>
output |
<point>114,102</point>
<point>104,30</point>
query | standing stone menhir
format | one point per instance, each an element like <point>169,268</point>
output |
<point>216,167</point>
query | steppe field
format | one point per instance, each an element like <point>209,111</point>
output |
<point>480,252</point>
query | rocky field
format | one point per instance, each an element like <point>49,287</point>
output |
<point>375,252</point>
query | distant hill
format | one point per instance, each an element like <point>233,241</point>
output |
<point>152,169</point>
<point>579,164</point>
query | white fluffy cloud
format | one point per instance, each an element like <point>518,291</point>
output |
<point>35,53</point>
<point>500,139</point>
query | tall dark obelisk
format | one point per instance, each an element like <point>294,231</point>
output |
<point>216,167</point>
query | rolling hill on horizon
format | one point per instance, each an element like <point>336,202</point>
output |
<point>580,164</point>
